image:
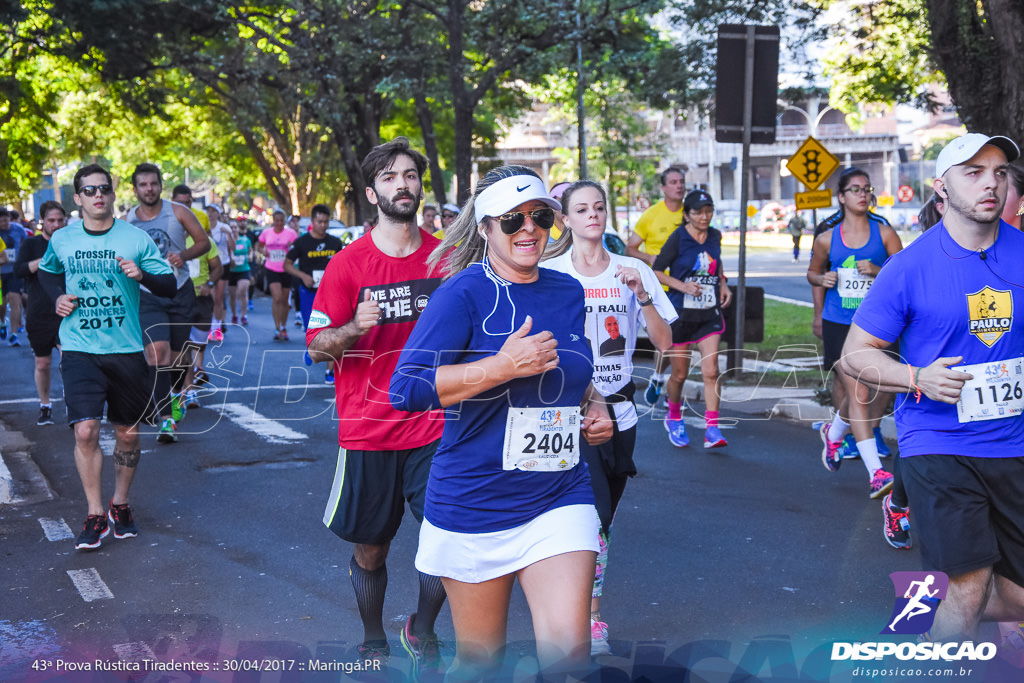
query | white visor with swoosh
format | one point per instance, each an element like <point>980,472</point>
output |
<point>508,193</point>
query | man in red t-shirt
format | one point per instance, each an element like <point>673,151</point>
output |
<point>368,301</point>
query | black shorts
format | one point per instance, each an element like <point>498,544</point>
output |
<point>833,336</point>
<point>11,284</point>
<point>122,381</point>
<point>202,312</point>
<point>43,336</point>
<point>370,489</point>
<point>235,277</point>
<point>968,513</point>
<point>691,332</point>
<point>284,279</point>
<point>167,320</point>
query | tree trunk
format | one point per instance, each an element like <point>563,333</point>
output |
<point>610,184</point>
<point>464,150</point>
<point>359,205</point>
<point>273,180</point>
<point>426,121</point>
<point>462,102</point>
<point>978,50</point>
<point>1006,19</point>
<point>361,114</point>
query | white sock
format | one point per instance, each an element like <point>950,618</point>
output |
<point>838,429</point>
<point>869,454</point>
<point>897,508</point>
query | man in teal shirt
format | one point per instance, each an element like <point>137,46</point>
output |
<point>92,270</point>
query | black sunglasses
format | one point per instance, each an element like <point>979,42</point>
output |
<point>513,222</point>
<point>448,215</point>
<point>91,190</point>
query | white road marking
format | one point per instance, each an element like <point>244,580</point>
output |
<point>269,430</point>
<point>107,442</point>
<point>6,483</point>
<point>56,529</point>
<point>89,584</point>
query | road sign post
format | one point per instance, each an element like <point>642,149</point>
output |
<point>760,93</point>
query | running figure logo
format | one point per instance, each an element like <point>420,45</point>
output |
<point>918,595</point>
<point>991,314</point>
<point>705,264</point>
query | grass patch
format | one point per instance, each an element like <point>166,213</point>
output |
<point>787,335</point>
<point>786,326</point>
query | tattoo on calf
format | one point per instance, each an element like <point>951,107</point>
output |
<point>127,458</point>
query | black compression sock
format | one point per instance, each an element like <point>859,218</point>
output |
<point>432,597</point>
<point>162,391</point>
<point>370,588</point>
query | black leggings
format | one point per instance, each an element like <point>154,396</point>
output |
<point>611,466</point>
<point>899,492</point>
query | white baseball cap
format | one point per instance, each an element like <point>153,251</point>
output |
<point>508,193</point>
<point>963,149</point>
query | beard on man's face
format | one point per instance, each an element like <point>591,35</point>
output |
<point>399,212</point>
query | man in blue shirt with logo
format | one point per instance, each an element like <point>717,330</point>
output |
<point>93,270</point>
<point>950,298</point>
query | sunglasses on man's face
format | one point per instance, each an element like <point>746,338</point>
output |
<point>91,190</point>
<point>513,221</point>
<point>448,215</point>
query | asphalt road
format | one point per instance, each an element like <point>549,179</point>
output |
<point>773,269</point>
<point>745,563</point>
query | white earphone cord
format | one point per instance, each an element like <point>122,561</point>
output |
<point>499,285</point>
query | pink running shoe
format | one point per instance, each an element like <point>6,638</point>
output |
<point>881,483</point>
<point>831,453</point>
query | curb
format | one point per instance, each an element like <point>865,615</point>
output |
<point>803,410</point>
<point>797,405</point>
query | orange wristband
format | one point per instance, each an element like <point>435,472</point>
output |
<point>913,382</point>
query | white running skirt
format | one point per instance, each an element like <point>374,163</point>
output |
<point>475,558</point>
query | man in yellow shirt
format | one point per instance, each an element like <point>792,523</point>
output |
<point>205,271</point>
<point>3,259</point>
<point>649,235</point>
